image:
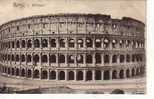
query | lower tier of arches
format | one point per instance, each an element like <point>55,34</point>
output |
<point>74,74</point>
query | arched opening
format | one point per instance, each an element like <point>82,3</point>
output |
<point>52,58</point>
<point>70,75</point>
<point>114,58</point>
<point>133,72</point>
<point>121,74</point>
<point>79,75</point>
<point>89,75</point>
<point>122,58</point>
<point>62,43</point>
<point>13,44</point>
<point>22,58</point>
<point>127,73</point>
<point>23,73</point>
<point>17,72</point>
<point>44,43</point>
<point>29,43</point>
<point>53,42</point>
<point>36,58</point>
<point>98,42</point>
<point>89,42</point>
<point>8,71</point>
<point>98,58</point>
<point>12,57</point>
<point>79,58</point>
<point>98,75</point>
<point>106,75</point>
<point>89,59</point>
<point>61,75</point>
<point>114,74</point>
<point>36,43</point>
<point>23,43</point>
<point>71,43</point>
<point>44,74</point>
<point>29,58</point>
<point>80,43</point>
<point>121,43</point>
<point>71,59</point>
<point>137,71</point>
<point>36,73</point>
<point>17,58</point>
<point>13,72</point>
<point>117,91</point>
<point>106,59</point>
<point>52,75</point>
<point>106,43</point>
<point>17,44</point>
<point>44,59</point>
<point>128,58</point>
<point>61,59</point>
<point>29,73</point>
<point>114,42</point>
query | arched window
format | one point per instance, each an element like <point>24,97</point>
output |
<point>114,74</point>
<point>70,75</point>
<point>98,42</point>
<point>121,74</point>
<point>13,44</point>
<point>89,42</point>
<point>17,58</point>
<point>122,58</point>
<point>22,58</point>
<point>89,59</point>
<point>28,58</point>
<point>71,43</point>
<point>29,73</point>
<point>36,43</point>
<point>128,43</point>
<point>114,43</point>
<point>61,59</point>
<point>52,58</point>
<point>44,59</point>
<point>61,75</point>
<point>44,43</point>
<point>106,75</point>
<point>71,59</point>
<point>106,43</point>
<point>36,73</point>
<point>80,43</point>
<point>79,75</point>
<point>52,75</point>
<point>23,43</point>
<point>44,74</point>
<point>12,57</point>
<point>127,73</point>
<point>79,58</point>
<point>128,58</point>
<point>98,58</point>
<point>114,58</point>
<point>17,71</point>
<point>106,59</point>
<point>17,44</point>
<point>29,43</point>
<point>36,58</point>
<point>133,58</point>
<point>89,75</point>
<point>53,42</point>
<point>62,43</point>
<point>23,73</point>
<point>98,75</point>
<point>121,43</point>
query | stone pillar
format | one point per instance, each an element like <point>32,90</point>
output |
<point>93,41</point>
<point>84,75</point>
<point>40,76</point>
<point>75,75</point>
<point>110,74</point>
<point>40,59</point>
<point>102,74</point>
<point>66,75</point>
<point>102,55</point>
<point>56,74</point>
<point>124,73</point>
<point>94,59</point>
<point>48,74</point>
<point>93,75</point>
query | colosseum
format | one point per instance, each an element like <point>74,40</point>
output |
<point>75,48</point>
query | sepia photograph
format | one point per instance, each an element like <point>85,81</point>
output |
<point>73,47</point>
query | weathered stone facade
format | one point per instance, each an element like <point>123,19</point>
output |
<point>80,47</point>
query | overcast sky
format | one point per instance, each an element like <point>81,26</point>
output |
<point>12,9</point>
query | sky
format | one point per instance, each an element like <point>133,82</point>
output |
<point>13,9</point>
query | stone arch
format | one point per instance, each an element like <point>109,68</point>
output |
<point>88,58</point>
<point>17,71</point>
<point>29,43</point>
<point>44,74</point>
<point>29,57</point>
<point>71,42</point>
<point>52,75</point>
<point>98,58</point>
<point>80,43</point>
<point>89,75</point>
<point>79,59</point>
<point>17,44</point>
<point>44,43</point>
<point>36,43</point>
<point>80,75</point>
<point>61,58</point>
<point>61,75</point>
<point>8,70</point>
<point>114,58</point>
<point>121,74</point>
<point>17,58</point>
<point>12,71</point>
<point>133,72</point>
<point>29,73</point>
<point>52,58</point>
<point>36,74</point>
<point>53,42</point>
<point>137,71</point>
<point>22,58</point>
<point>44,58</point>
<point>128,58</point>
<point>98,42</point>
<point>106,43</point>
<point>122,58</point>
<point>106,59</point>
<point>23,72</point>
<point>89,42</point>
<point>98,75</point>
<point>106,75</point>
<point>127,73</point>
<point>114,74</point>
<point>23,43</point>
<point>12,57</point>
<point>70,75</point>
<point>36,58</point>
